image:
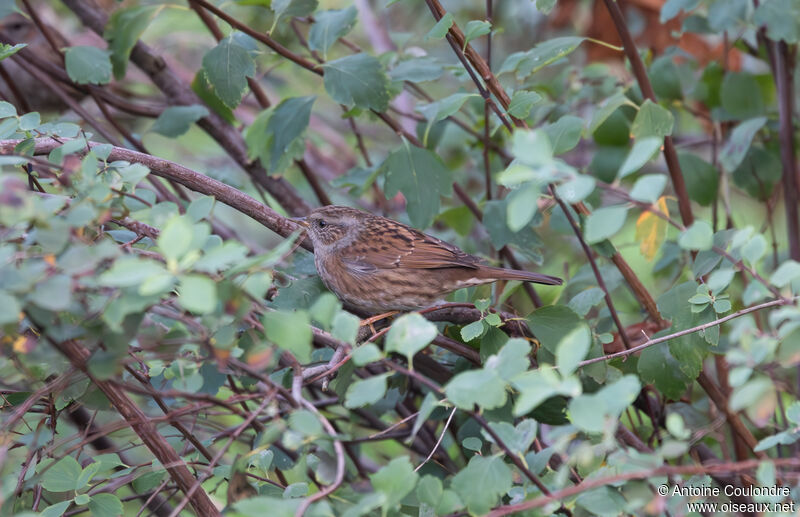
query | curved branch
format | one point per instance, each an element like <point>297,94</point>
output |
<point>186,177</point>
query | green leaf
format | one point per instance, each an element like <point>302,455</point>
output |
<point>475,29</point>
<point>345,327</point>
<point>755,249</point>
<point>781,19</point>
<point>395,480</point>
<point>545,6</point>
<point>495,220</point>
<point>699,236</point>
<point>565,133</point>
<point>105,505</point>
<point>227,67</point>
<point>642,151</point>
<point>359,80</point>
<point>666,79</point>
<point>290,331</point>
<point>288,122</point>
<point>442,109</point>
<point>511,360</point>
<point>759,172</point>
<point>652,120</point>
<point>738,144</point>
<point>519,438</point>
<point>198,294</point>
<point>741,96</point>
<point>604,223</point>
<point>572,349</point>
<point>785,274</point>
<point>673,8</point>
<point>329,26</point>
<point>62,476</point>
<point>532,147</point>
<point>751,393</point>
<point>606,109</point>
<point>531,61</point>
<point>441,27</point>
<point>125,27</point>
<point>473,330</point>
<point>422,178</point>
<point>576,189</point>
<point>202,87</point>
<point>7,110</point>
<point>481,483</point>
<point>582,302</point>
<point>720,279</point>
<point>701,178</point>
<point>175,240</point>
<point>472,443</point>
<point>658,366</point>
<point>305,422</point>
<point>28,122</point>
<point>649,188</point>
<point>367,391</point>
<point>7,50</point>
<point>481,387</point>
<point>367,353</point>
<point>429,490</point>
<point>417,70</point>
<point>409,334</point>
<point>11,308</point>
<point>129,271</point>
<point>54,510</point>
<point>522,102</point>
<point>290,9</point>
<point>521,206</point>
<point>55,293</point>
<point>88,65</point>
<point>551,322</point>
<point>176,120</point>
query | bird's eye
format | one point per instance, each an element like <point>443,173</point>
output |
<point>321,224</point>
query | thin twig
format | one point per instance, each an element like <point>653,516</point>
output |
<point>662,339</point>
<point>439,441</point>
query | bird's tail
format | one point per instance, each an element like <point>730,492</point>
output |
<point>500,273</point>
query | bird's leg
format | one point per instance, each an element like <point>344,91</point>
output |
<point>369,321</point>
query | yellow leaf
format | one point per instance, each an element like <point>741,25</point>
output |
<point>651,230</point>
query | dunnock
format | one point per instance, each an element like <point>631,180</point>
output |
<point>379,265</point>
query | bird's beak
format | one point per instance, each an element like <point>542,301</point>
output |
<point>300,220</point>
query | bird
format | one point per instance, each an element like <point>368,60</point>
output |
<point>378,265</point>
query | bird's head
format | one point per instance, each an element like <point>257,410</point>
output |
<point>333,226</point>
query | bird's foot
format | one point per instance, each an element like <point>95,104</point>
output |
<point>373,319</point>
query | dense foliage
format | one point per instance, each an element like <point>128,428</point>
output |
<point>167,348</point>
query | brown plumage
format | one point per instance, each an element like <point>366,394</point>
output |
<point>378,265</point>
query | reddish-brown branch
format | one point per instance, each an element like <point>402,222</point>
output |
<point>783,76</point>
<point>640,73</point>
<point>181,94</point>
<point>666,470</point>
<point>143,427</point>
<point>598,276</point>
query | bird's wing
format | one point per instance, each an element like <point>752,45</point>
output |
<point>400,246</point>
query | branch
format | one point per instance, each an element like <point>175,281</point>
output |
<point>590,256</point>
<point>142,425</point>
<point>639,71</point>
<point>662,339</point>
<point>666,470</point>
<point>180,94</point>
<point>186,177</point>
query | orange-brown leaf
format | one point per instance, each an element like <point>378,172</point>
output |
<point>651,230</point>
